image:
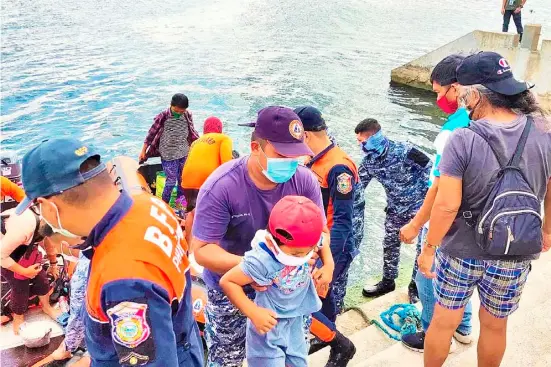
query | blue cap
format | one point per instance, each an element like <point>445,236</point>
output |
<point>311,118</point>
<point>53,167</point>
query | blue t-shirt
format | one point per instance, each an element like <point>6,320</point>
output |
<point>458,119</point>
<point>291,291</point>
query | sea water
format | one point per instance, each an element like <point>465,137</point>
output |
<point>101,70</point>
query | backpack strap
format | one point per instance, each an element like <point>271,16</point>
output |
<point>3,218</point>
<point>515,159</point>
<point>501,164</point>
<point>36,236</point>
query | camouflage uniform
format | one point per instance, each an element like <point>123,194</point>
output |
<point>225,330</point>
<point>75,330</point>
<point>403,170</point>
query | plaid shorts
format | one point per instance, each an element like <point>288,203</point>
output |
<point>499,283</point>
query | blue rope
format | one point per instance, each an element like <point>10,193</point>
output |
<point>409,320</point>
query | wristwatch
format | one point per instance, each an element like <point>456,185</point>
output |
<point>427,244</point>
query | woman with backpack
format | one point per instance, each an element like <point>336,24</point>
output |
<point>486,223</point>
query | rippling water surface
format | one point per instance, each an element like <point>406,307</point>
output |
<point>100,70</point>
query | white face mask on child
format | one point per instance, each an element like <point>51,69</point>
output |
<point>288,260</point>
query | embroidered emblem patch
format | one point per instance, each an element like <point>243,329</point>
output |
<point>344,183</point>
<point>296,129</point>
<point>81,151</point>
<point>129,324</point>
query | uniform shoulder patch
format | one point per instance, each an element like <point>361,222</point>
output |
<point>344,183</point>
<point>129,326</point>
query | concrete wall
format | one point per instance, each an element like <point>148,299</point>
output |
<point>527,61</point>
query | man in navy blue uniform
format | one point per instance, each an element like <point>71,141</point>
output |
<point>138,299</point>
<point>403,170</point>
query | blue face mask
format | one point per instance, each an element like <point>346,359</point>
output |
<point>375,145</point>
<point>279,170</point>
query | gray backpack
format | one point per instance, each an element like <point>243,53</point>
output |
<point>510,222</point>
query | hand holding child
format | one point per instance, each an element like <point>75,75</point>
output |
<point>263,319</point>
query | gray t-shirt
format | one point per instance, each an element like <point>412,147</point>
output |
<point>173,144</point>
<point>468,156</point>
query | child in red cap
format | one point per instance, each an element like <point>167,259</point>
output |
<point>279,261</point>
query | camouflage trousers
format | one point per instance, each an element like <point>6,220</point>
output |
<point>391,245</point>
<point>225,330</point>
<point>75,329</point>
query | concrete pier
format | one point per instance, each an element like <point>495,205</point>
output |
<point>529,61</point>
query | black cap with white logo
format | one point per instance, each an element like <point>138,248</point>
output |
<point>492,71</point>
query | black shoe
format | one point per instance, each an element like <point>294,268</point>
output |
<point>415,342</point>
<point>342,351</point>
<point>317,345</point>
<point>413,294</point>
<point>383,287</point>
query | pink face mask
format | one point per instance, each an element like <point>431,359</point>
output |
<point>445,105</point>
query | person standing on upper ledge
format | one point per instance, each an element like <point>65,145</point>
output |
<point>404,171</point>
<point>513,8</point>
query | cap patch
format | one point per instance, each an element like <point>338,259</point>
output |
<point>344,183</point>
<point>505,65</point>
<point>296,129</point>
<point>81,151</point>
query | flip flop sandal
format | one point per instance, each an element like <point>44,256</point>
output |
<point>63,319</point>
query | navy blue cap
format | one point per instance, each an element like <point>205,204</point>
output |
<point>492,71</point>
<point>53,167</point>
<point>283,129</point>
<point>311,118</point>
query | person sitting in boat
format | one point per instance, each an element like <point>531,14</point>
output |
<point>206,154</point>
<point>21,263</point>
<point>75,329</point>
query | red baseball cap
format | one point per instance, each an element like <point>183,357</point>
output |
<point>298,216</point>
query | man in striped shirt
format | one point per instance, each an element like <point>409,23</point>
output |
<point>170,136</point>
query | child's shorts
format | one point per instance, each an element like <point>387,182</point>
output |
<point>282,346</point>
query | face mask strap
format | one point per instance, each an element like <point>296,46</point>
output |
<point>60,230</point>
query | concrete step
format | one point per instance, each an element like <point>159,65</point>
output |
<point>368,342</point>
<point>528,342</point>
